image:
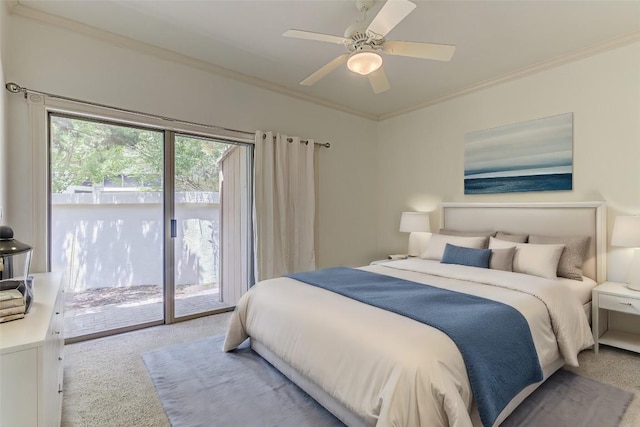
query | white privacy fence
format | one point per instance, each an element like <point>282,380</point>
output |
<point>111,239</point>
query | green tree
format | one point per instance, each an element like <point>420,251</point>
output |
<point>196,163</point>
<point>85,152</point>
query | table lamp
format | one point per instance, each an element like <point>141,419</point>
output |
<point>10,248</point>
<point>417,224</point>
<point>626,234</point>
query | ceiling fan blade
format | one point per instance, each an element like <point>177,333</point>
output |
<point>438,52</point>
<point>389,16</point>
<point>379,82</point>
<point>308,35</point>
<point>313,78</point>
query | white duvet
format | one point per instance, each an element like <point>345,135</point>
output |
<point>388,369</point>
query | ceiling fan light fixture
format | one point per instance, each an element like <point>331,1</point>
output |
<point>364,62</point>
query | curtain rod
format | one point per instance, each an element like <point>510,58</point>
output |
<point>15,88</point>
<point>302,141</point>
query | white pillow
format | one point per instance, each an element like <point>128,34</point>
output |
<point>536,260</point>
<point>501,244</point>
<point>437,243</point>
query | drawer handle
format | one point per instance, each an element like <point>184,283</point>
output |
<point>625,303</point>
<point>57,332</point>
<point>60,358</point>
<point>60,390</point>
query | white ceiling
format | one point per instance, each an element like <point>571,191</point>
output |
<point>493,39</point>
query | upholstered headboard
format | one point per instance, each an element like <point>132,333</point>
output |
<point>550,219</point>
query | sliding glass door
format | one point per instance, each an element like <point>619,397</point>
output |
<point>106,214</point>
<point>137,222</point>
<point>197,224</point>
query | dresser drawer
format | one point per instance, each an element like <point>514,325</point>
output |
<point>620,303</point>
<point>30,348</point>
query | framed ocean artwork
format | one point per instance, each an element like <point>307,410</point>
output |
<point>530,156</point>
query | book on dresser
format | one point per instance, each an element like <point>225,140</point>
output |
<point>11,311</point>
<point>11,298</point>
<point>12,305</point>
<point>11,317</point>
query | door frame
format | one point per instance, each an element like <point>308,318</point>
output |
<point>169,210</point>
<point>40,108</point>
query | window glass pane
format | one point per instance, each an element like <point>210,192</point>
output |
<point>106,223</point>
<point>198,211</point>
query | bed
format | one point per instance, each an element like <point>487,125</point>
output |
<point>375,367</point>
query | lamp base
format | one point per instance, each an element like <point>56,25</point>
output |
<point>418,240</point>
<point>633,279</point>
<point>634,286</point>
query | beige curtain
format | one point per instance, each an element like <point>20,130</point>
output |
<point>284,205</point>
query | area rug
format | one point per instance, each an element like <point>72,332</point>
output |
<point>199,385</point>
<point>570,400</point>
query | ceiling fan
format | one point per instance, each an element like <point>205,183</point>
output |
<point>364,41</point>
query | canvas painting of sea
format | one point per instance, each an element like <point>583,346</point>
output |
<point>531,156</point>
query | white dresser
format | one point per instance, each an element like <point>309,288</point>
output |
<point>31,359</point>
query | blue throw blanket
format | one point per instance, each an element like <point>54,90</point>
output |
<point>493,338</point>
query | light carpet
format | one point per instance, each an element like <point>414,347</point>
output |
<point>199,385</point>
<point>107,384</point>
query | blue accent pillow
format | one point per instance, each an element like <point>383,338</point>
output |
<point>466,256</point>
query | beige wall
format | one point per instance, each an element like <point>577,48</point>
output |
<point>373,171</point>
<point>421,154</point>
<point>58,61</point>
<point>3,112</point>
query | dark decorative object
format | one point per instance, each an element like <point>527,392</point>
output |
<point>9,249</point>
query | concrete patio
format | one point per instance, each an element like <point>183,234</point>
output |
<point>90,320</point>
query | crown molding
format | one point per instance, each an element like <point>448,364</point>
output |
<point>524,72</point>
<point>118,40</point>
<point>37,15</point>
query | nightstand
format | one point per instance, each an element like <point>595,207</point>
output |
<point>390,258</point>
<point>607,299</point>
<point>381,261</point>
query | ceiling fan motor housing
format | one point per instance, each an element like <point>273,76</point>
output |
<point>356,30</point>
<point>357,33</point>
<point>364,5</point>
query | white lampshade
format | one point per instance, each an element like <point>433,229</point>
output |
<point>364,62</point>
<point>626,232</point>
<point>415,221</point>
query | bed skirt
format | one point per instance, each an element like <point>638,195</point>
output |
<point>352,420</point>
